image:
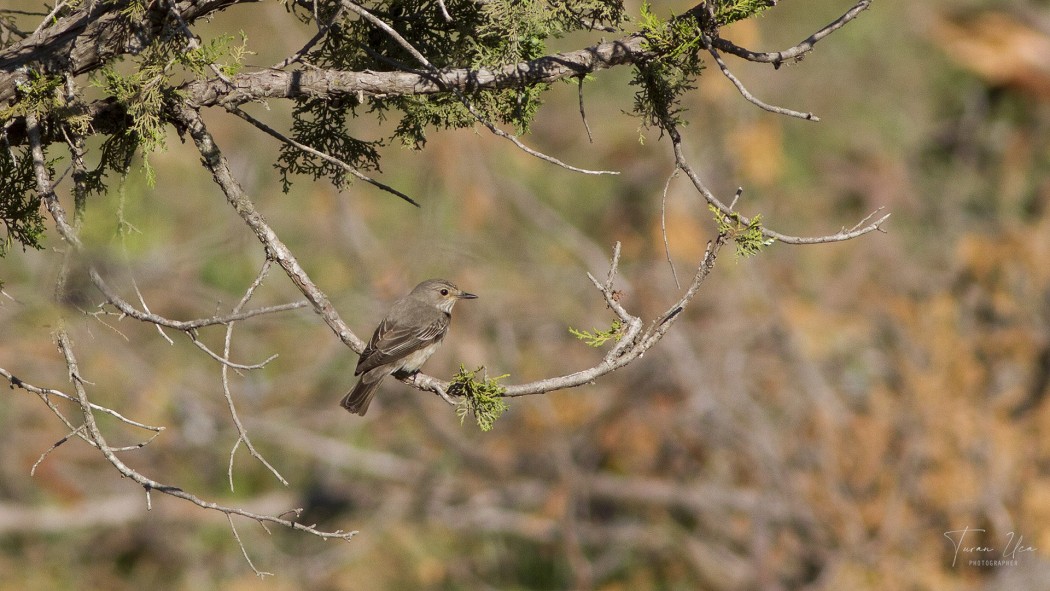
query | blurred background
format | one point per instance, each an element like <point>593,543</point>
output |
<point>822,417</point>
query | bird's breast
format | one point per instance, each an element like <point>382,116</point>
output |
<point>414,360</point>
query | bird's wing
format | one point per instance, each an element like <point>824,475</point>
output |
<point>393,341</point>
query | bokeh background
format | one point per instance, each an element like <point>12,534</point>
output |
<point>820,418</point>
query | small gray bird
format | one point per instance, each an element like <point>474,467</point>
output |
<point>405,339</point>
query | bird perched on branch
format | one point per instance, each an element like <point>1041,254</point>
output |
<point>405,339</point>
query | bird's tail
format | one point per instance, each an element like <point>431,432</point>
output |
<point>357,400</point>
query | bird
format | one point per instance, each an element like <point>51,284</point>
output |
<point>408,335</point>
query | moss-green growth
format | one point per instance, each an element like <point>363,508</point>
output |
<point>222,52</point>
<point>663,79</point>
<point>599,337</point>
<point>483,399</point>
<point>142,93</point>
<point>730,11</point>
<point>481,34</point>
<point>146,91</point>
<point>38,95</point>
<point>748,237</point>
<point>677,43</point>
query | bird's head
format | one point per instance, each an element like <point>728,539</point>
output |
<point>441,293</point>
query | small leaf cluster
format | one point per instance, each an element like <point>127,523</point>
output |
<point>748,237</point>
<point>483,399</point>
<point>38,94</point>
<point>599,337</point>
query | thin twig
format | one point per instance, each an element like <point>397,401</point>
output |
<point>223,360</point>
<point>327,157</point>
<point>747,94</point>
<point>322,30</point>
<point>192,41</point>
<point>660,327</point>
<point>676,143</point>
<point>583,114</point>
<point>242,433</point>
<point>44,393</point>
<point>77,431</point>
<point>183,325</point>
<point>663,228</point>
<point>49,17</point>
<point>244,551</point>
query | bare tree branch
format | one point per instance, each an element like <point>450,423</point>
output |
<point>244,551</point>
<point>322,30</point>
<point>746,94</point>
<point>107,115</point>
<point>236,197</point>
<point>242,433</point>
<point>634,343</point>
<point>148,484</point>
<point>663,227</point>
<point>794,53</point>
<point>676,142</point>
<point>184,325</point>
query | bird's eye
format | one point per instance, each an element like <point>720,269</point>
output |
<point>444,291</point>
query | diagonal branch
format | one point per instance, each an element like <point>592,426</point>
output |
<point>634,342</point>
<point>744,92</point>
<point>44,393</point>
<point>216,163</point>
<point>184,325</point>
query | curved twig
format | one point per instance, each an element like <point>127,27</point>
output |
<point>794,53</point>
<point>744,92</point>
<point>856,231</point>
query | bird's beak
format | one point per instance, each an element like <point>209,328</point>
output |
<point>467,296</point>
